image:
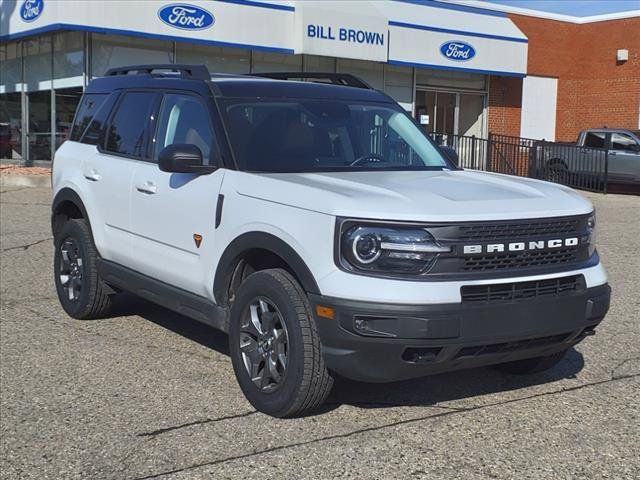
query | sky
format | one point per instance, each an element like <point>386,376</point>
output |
<point>576,8</point>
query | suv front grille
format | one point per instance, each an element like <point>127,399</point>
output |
<point>535,228</point>
<point>505,292</point>
<point>492,239</point>
<point>483,263</point>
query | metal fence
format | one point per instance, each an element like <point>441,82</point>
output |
<point>578,167</point>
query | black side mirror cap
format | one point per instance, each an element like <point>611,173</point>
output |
<point>450,153</point>
<point>183,158</point>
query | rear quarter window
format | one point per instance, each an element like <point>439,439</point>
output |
<point>87,109</point>
<point>595,139</point>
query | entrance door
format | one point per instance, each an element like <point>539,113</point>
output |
<point>446,113</point>
<point>450,118</point>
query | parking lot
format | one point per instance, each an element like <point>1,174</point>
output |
<point>150,394</point>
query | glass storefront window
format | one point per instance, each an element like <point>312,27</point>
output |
<point>39,125</point>
<point>110,51</point>
<point>275,62</point>
<point>451,79</point>
<point>37,63</point>
<point>370,72</point>
<point>68,59</point>
<point>314,63</point>
<point>398,83</point>
<point>11,71</point>
<point>66,102</point>
<point>11,126</point>
<point>217,59</point>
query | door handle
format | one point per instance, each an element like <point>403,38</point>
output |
<point>147,187</point>
<point>93,175</point>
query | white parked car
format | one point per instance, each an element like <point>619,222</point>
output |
<point>319,227</point>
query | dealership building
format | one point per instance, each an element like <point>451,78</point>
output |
<point>458,69</point>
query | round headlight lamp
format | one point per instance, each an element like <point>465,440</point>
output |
<point>366,248</point>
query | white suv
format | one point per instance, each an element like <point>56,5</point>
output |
<point>317,225</point>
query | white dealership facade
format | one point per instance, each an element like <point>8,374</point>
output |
<point>433,57</point>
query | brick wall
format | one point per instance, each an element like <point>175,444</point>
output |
<point>505,101</point>
<point>593,89</point>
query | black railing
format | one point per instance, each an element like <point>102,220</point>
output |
<point>578,167</point>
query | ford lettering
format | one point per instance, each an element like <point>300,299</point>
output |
<point>458,51</point>
<point>186,17</point>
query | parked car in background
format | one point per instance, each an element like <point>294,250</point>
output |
<point>6,141</point>
<point>600,155</point>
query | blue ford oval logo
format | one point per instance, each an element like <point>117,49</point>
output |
<point>31,10</point>
<point>186,17</point>
<point>458,51</point>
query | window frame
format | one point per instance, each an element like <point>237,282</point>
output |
<point>215,156</point>
<point>149,127</point>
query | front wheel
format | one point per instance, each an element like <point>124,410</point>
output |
<point>532,365</point>
<point>275,347</point>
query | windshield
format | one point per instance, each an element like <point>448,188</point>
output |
<point>274,135</point>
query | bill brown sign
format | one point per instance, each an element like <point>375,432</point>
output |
<point>322,32</point>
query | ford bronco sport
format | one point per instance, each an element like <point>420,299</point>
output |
<point>316,224</point>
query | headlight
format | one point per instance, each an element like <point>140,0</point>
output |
<point>591,230</point>
<point>381,249</point>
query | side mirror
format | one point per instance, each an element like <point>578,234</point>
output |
<point>183,158</point>
<point>450,153</point>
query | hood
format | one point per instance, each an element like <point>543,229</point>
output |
<point>435,196</point>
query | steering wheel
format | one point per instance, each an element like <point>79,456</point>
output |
<point>369,157</point>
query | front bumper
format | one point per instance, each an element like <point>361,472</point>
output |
<point>418,340</point>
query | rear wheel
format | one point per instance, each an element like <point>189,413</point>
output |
<point>532,365</point>
<point>275,347</point>
<point>81,291</point>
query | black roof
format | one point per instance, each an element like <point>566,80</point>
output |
<point>196,78</point>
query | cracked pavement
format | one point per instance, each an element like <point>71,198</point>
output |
<point>150,394</point>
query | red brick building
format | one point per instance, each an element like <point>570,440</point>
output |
<point>593,87</point>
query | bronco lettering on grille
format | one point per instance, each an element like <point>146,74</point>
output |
<point>521,246</point>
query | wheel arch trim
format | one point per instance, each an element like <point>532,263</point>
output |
<point>67,194</point>
<point>264,241</point>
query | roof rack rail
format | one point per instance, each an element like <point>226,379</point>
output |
<point>345,79</point>
<point>196,72</point>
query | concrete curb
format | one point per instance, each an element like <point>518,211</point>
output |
<point>38,181</point>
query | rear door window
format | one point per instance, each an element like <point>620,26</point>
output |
<point>128,131</point>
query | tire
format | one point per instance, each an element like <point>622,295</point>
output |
<point>285,386</point>
<point>91,298</point>
<point>557,172</point>
<point>532,365</point>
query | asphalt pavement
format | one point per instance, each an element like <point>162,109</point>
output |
<point>151,394</point>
